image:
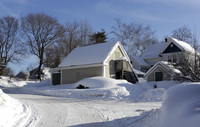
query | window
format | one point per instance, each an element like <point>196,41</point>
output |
<point>174,59</point>
<point>169,59</point>
<point>171,45</point>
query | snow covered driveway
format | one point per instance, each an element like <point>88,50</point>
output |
<point>59,112</point>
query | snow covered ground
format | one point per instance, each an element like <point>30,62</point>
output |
<point>13,112</point>
<point>107,102</point>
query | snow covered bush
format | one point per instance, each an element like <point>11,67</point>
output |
<point>181,106</point>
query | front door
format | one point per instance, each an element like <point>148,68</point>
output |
<point>56,78</point>
<point>158,76</point>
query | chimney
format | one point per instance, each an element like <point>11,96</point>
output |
<point>166,39</point>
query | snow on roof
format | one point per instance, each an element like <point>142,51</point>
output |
<point>139,60</point>
<point>167,65</point>
<point>138,72</point>
<point>93,54</point>
<point>183,45</point>
<point>153,51</point>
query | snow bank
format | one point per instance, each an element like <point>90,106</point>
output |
<point>102,88</point>
<point>13,113</point>
<point>99,82</point>
<point>181,106</point>
<point>7,82</point>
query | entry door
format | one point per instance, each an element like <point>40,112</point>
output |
<point>56,78</point>
<point>158,76</point>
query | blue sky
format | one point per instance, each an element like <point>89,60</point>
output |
<point>163,15</point>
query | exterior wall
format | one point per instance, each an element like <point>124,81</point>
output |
<point>177,56</point>
<point>166,75</point>
<point>110,67</point>
<point>74,75</point>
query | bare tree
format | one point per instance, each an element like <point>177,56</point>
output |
<point>10,46</point>
<point>189,63</point>
<point>77,34</point>
<point>135,37</point>
<point>40,30</point>
<point>183,33</point>
<point>53,56</point>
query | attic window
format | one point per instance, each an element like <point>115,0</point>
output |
<point>171,45</point>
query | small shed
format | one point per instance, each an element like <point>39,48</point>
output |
<point>162,71</point>
<point>94,60</point>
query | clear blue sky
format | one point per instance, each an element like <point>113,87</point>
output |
<point>163,15</point>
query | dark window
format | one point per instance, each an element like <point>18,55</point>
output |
<point>158,76</point>
<point>174,60</point>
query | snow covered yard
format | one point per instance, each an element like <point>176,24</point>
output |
<point>107,102</point>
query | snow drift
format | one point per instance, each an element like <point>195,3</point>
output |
<point>181,106</point>
<point>13,113</point>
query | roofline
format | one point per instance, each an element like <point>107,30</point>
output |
<point>171,40</point>
<point>113,49</point>
<point>139,63</point>
<point>78,66</point>
<point>154,67</point>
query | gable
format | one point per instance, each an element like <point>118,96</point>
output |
<point>172,48</point>
<point>117,53</point>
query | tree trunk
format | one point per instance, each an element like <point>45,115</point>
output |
<point>40,66</point>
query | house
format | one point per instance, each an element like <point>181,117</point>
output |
<point>22,75</point>
<point>33,74</point>
<point>171,50</point>
<point>139,63</point>
<point>105,59</point>
<point>161,71</point>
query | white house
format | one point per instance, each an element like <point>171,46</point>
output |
<point>170,50</point>
<point>105,59</point>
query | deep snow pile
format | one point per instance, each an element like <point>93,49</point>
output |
<point>103,88</point>
<point>11,82</point>
<point>13,113</point>
<point>181,106</point>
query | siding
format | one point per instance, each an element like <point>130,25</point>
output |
<point>110,68</point>
<point>166,75</point>
<point>74,75</point>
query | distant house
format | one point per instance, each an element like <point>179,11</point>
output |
<point>171,50</point>
<point>162,71</point>
<point>22,75</point>
<point>33,74</point>
<point>105,59</point>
